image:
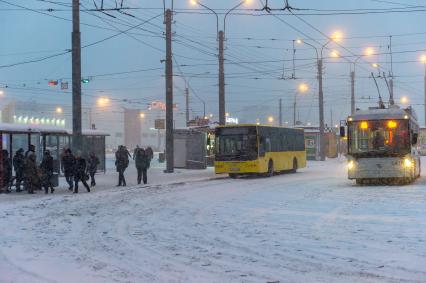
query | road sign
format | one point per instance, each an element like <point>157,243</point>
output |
<point>160,124</point>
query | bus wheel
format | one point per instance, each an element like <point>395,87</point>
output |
<point>232,175</point>
<point>295,166</point>
<point>270,172</point>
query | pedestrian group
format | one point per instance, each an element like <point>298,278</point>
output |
<point>31,176</point>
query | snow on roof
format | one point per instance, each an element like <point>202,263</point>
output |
<point>24,128</point>
<point>381,114</point>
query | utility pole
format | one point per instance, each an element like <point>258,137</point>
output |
<point>169,94</point>
<point>321,112</point>
<point>391,100</point>
<point>281,112</point>
<point>222,118</point>
<point>187,105</point>
<point>353,92</point>
<point>76,77</point>
<point>294,112</point>
<point>425,92</point>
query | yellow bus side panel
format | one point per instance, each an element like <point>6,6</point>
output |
<point>281,160</point>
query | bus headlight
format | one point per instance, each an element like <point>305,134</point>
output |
<point>408,163</point>
<point>351,165</point>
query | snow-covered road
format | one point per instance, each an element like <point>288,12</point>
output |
<point>313,226</point>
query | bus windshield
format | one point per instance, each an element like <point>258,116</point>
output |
<point>236,144</point>
<point>379,138</point>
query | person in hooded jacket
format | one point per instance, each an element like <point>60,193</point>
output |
<point>121,163</point>
<point>142,163</point>
<point>92,167</point>
<point>80,173</point>
<point>18,165</point>
<point>46,167</point>
<point>150,153</point>
<point>7,169</point>
<point>31,174</point>
<point>67,164</point>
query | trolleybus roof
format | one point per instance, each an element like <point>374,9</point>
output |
<point>383,114</point>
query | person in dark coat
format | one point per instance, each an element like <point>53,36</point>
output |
<point>121,163</point>
<point>31,150</point>
<point>31,174</point>
<point>67,164</point>
<point>92,168</point>
<point>7,169</point>
<point>80,173</point>
<point>142,162</point>
<point>135,151</point>
<point>18,165</point>
<point>46,167</point>
<point>150,153</point>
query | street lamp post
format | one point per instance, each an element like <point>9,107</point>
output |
<point>302,88</point>
<point>335,37</point>
<point>423,60</point>
<point>368,51</point>
<point>221,57</point>
<point>187,80</point>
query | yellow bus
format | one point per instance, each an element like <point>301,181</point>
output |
<point>258,149</point>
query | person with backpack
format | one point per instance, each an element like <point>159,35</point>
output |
<point>67,164</point>
<point>92,167</point>
<point>46,167</point>
<point>142,163</point>
<point>121,163</point>
<point>80,172</point>
<point>7,171</point>
<point>18,164</point>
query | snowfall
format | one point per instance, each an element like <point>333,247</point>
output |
<point>193,226</point>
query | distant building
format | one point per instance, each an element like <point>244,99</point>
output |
<point>132,128</point>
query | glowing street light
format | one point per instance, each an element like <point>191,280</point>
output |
<point>271,119</point>
<point>103,101</point>
<point>59,110</point>
<point>404,100</point>
<point>369,51</point>
<point>302,88</point>
<point>1,93</point>
<point>221,55</point>
<point>142,115</point>
<point>334,54</point>
<point>335,37</point>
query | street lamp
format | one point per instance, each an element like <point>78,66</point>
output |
<point>302,88</point>
<point>221,57</point>
<point>270,119</point>
<point>423,60</point>
<point>187,95</point>
<point>142,115</point>
<point>103,101</point>
<point>59,110</point>
<point>335,37</point>
<point>367,52</point>
<point>404,100</point>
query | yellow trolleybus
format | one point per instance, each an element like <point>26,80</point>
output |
<point>258,149</point>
